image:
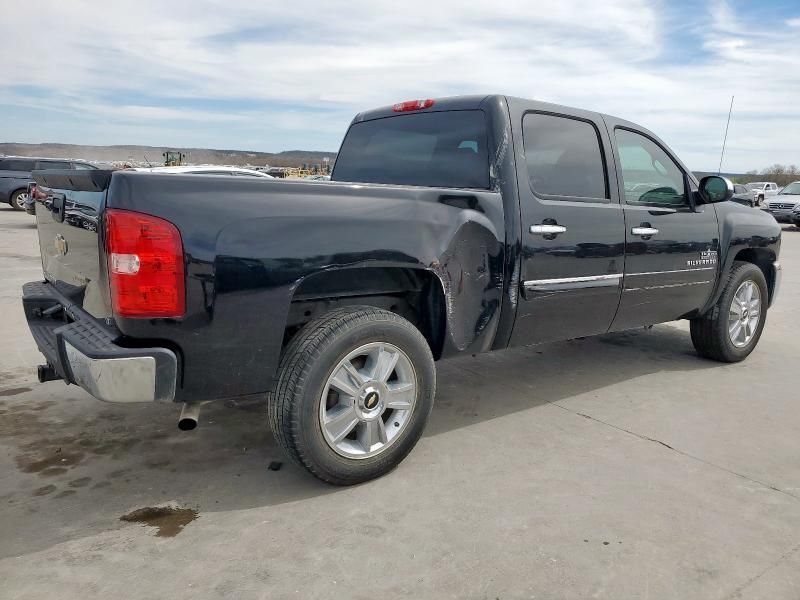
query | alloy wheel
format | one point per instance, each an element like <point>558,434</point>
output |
<point>367,400</point>
<point>744,314</point>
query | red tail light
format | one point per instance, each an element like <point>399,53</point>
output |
<point>145,265</point>
<point>412,105</point>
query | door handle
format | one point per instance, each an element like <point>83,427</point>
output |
<point>644,231</point>
<point>547,229</point>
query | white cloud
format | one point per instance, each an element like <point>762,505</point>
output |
<point>332,61</point>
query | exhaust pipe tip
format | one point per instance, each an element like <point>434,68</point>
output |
<point>190,414</point>
<point>187,423</point>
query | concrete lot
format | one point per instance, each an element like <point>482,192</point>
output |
<point>618,467</point>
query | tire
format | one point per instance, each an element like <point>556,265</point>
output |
<point>17,199</point>
<point>710,334</point>
<point>307,368</point>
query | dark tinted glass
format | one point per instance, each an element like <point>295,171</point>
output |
<point>439,149</point>
<point>16,164</point>
<point>739,189</point>
<point>83,167</point>
<point>650,176</point>
<point>563,157</point>
<point>52,164</point>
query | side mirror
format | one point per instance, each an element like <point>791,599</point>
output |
<point>716,189</point>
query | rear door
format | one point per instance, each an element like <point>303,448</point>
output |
<point>572,256</point>
<point>671,246</point>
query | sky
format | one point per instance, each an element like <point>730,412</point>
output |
<point>277,75</point>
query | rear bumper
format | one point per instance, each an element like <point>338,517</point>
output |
<point>83,351</point>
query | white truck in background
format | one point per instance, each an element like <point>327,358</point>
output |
<point>763,190</point>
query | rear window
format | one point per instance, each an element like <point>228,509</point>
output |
<point>438,149</point>
<point>16,164</point>
<point>563,157</point>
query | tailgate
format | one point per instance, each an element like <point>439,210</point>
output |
<point>68,221</point>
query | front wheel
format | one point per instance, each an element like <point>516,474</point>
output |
<point>731,330</point>
<point>353,394</point>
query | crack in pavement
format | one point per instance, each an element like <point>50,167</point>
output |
<point>641,436</point>
<point>681,452</point>
<point>737,593</point>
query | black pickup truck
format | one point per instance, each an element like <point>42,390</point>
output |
<point>457,225</point>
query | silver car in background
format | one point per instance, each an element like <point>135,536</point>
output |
<point>783,205</point>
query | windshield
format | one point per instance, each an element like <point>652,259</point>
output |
<point>437,149</point>
<point>792,188</point>
<point>756,186</point>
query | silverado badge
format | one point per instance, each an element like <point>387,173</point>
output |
<point>707,258</point>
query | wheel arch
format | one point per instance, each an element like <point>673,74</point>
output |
<point>763,259</point>
<point>416,294</point>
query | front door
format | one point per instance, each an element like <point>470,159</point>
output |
<point>572,256</point>
<point>671,244</point>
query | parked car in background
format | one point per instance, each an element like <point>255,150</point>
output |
<point>784,206</point>
<point>763,190</point>
<point>744,195</point>
<point>15,175</point>
<point>206,170</point>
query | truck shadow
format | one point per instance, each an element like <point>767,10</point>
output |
<point>81,464</point>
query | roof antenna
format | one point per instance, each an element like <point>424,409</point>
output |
<point>151,166</point>
<point>725,139</point>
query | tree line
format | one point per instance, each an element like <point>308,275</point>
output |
<point>780,174</point>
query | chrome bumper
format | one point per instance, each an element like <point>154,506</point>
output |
<point>82,350</point>
<point>128,379</point>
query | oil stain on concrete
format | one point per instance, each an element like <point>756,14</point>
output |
<point>169,520</point>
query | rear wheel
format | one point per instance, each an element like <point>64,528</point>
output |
<point>354,391</point>
<point>731,330</point>
<point>18,199</point>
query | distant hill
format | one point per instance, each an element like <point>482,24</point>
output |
<point>137,154</point>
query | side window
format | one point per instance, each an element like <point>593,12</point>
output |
<point>649,175</point>
<point>50,164</point>
<point>83,167</point>
<point>563,157</point>
<point>16,164</point>
<point>739,189</point>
